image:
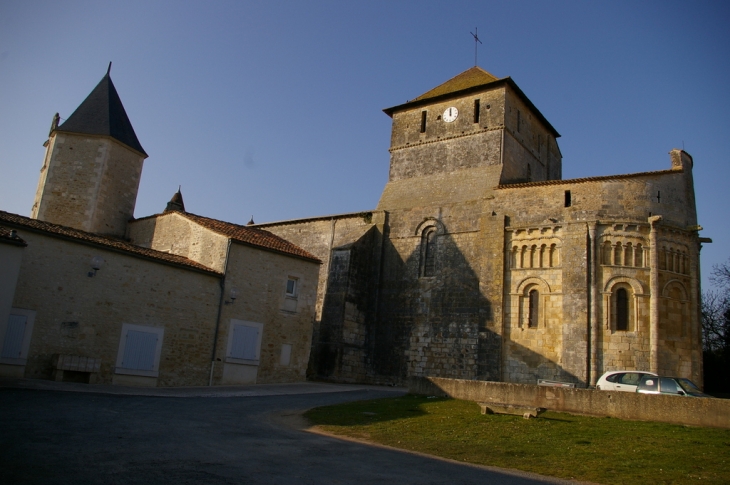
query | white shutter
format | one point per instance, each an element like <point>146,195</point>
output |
<point>139,350</point>
<point>14,336</point>
<point>244,342</point>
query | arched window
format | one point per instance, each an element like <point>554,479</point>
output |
<point>428,252</point>
<point>622,309</point>
<point>534,308</point>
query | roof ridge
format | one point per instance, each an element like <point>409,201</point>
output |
<point>586,179</point>
<point>110,243</point>
<point>474,76</point>
<point>257,237</point>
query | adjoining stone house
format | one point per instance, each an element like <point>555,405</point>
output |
<point>172,299</point>
<point>481,263</point>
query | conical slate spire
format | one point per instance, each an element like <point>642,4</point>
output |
<point>102,113</point>
<point>176,203</point>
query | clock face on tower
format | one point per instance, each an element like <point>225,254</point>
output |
<point>450,114</point>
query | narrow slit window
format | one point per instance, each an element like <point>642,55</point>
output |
<point>622,309</point>
<point>533,311</point>
<point>519,120</point>
<point>476,111</point>
<point>423,122</point>
<point>428,247</point>
<point>568,200</point>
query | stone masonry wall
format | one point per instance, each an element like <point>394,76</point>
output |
<point>332,240</point>
<point>89,183</point>
<point>528,142</point>
<point>407,124</point>
<point>82,315</point>
<point>175,234</point>
<point>261,278</point>
<point>619,209</point>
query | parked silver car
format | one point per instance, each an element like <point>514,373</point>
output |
<point>621,380</point>
<point>678,386</point>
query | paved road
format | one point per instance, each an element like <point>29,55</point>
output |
<point>105,435</point>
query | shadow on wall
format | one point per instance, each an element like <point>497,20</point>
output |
<point>386,318</point>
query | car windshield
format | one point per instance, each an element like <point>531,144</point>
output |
<point>688,385</point>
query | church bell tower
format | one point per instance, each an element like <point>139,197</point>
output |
<point>464,137</point>
<point>92,166</point>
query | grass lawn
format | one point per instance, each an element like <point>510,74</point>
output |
<point>601,450</point>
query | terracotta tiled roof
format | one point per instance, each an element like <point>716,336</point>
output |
<point>476,76</point>
<point>603,178</point>
<point>9,236</point>
<point>34,225</point>
<point>251,236</point>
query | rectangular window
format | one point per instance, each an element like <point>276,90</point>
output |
<point>285,357</point>
<point>15,336</point>
<point>244,342</point>
<point>139,350</point>
<point>519,120</point>
<point>291,287</point>
<point>567,198</point>
<point>423,121</point>
<point>476,111</point>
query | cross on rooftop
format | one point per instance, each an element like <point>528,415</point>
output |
<point>476,39</point>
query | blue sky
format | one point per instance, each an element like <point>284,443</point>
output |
<point>274,108</point>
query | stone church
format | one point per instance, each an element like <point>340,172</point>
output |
<point>479,262</point>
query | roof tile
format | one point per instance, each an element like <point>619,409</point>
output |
<point>476,76</point>
<point>15,220</point>
<point>251,236</point>
<point>601,178</point>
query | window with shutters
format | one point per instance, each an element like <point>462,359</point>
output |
<point>15,336</point>
<point>139,350</point>
<point>244,342</point>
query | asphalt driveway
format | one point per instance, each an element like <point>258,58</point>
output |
<point>79,434</point>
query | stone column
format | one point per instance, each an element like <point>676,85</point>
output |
<point>594,295</point>
<point>699,371</point>
<point>654,296</point>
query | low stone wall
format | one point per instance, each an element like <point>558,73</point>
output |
<point>707,412</point>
